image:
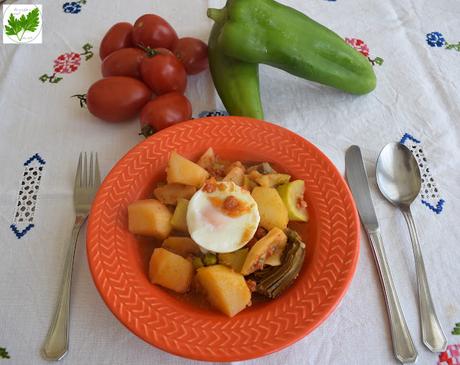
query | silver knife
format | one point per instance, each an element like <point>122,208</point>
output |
<point>403,346</point>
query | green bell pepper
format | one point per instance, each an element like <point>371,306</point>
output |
<point>264,31</point>
<point>236,82</point>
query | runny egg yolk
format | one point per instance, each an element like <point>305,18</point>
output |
<point>222,217</point>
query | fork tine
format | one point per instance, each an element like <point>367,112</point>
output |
<point>97,173</point>
<point>78,175</point>
<point>85,171</point>
<point>91,173</point>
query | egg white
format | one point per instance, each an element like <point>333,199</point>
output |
<point>216,231</point>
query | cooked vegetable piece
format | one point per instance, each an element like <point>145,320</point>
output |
<point>234,260</point>
<point>248,183</point>
<point>271,180</point>
<point>170,270</point>
<point>183,171</point>
<point>207,159</point>
<point>236,175</point>
<point>183,246</point>
<point>275,258</point>
<point>263,168</point>
<point>292,196</point>
<point>273,212</point>
<point>149,217</point>
<point>225,289</point>
<point>179,218</point>
<point>209,259</point>
<point>274,240</point>
<point>171,193</point>
<point>197,262</point>
<point>272,281</point>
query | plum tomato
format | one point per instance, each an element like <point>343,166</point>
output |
<point>193,53</point>
<point>164,111</point>
<point>117,37</point>
<point>123,62</point>
<point>163,73</point>
<point>117,98</point>
<point>153,31</point>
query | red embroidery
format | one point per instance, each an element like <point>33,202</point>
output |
<point>451,356</point>
<point>67,63</point>
<point>359,45</point>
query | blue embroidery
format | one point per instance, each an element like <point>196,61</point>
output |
<point>212,113</point>
<point>35,157</point>
<point>72,7</point>
<point>438,208</point>
<point>429,193</point>
<point>20,233</point>
<point>435,39</point>
<point>408,136</point>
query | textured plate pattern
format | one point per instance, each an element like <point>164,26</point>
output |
<point>151,313</point>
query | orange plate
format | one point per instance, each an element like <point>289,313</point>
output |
<point>118,260</point>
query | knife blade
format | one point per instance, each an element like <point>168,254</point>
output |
<point>403,345</point>
<point>359,185</point>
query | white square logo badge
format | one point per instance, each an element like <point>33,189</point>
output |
<point>22,24</point>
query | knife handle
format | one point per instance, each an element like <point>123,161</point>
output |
<point>403,346</point>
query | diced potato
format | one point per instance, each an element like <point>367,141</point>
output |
<point>170,270</point>
<point>181,245</point>
<point>149,217</point>
<point>272,211</point>
<point>274,240</point>
<point>183,171</point>
<point>207,159</point>
<point>236,175</point>
<point>248,183</point>
<point>225,289</point>
<point>234,260</point>
<point>179,218</point>
<point>271,180</point>
<point>171,193</point>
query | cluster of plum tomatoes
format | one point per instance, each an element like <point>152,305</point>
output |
<point>144,60</point>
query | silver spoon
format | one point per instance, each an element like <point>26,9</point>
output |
<point>399,180</point>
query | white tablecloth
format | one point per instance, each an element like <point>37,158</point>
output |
<point>417,93</point>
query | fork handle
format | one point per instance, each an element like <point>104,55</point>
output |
<point>57,340</point>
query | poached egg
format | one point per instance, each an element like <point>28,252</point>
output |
<point>222,217</point>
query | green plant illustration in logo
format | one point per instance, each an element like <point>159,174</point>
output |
<point>26,23</point>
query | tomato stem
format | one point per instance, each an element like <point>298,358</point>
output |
<point>147,131</point>
<point>149,51</point>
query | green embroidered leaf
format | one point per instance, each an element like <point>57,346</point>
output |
<point>14,26</point>
<point>31,21</point>
<point>3,353</point>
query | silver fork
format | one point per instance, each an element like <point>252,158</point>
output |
<point>87,181</point>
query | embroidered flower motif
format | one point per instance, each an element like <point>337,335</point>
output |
<point>359,45</point>
<point>450,356</point>
<point>71,7</point>
<point>362,48</point>
<point>435,39</point>
<point>67,63</point>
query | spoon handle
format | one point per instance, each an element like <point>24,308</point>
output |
<point>432,335</point>
<point>403,346</point>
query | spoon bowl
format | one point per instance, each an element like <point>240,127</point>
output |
<point>398,174</point>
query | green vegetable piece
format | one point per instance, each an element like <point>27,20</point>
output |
<point>265,31</point>
<point>209,259</point>
<point>197,262</point>
<point>236,82</point>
